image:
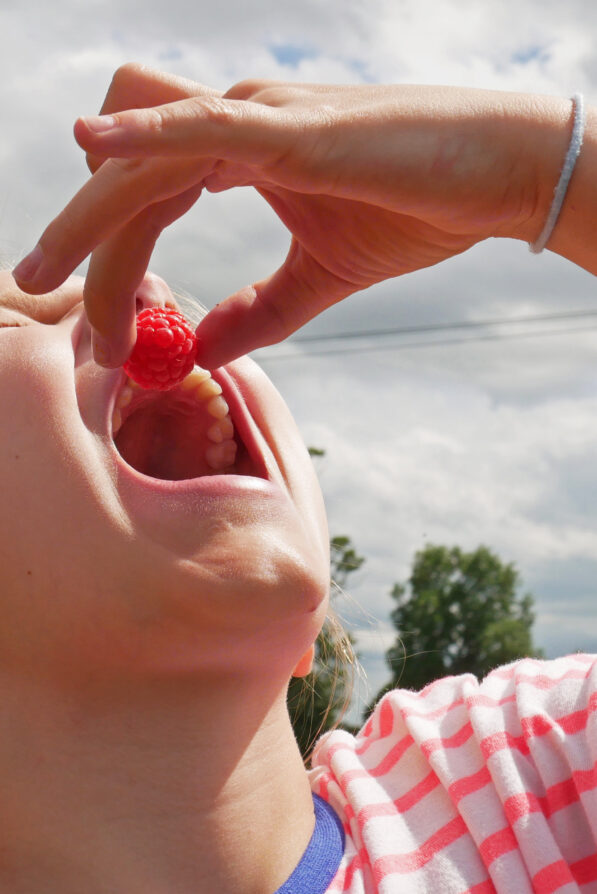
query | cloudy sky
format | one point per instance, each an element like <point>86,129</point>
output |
<point>454,435</point>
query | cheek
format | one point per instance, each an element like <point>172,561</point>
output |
<point>53,532</point>
<point>43,480</point>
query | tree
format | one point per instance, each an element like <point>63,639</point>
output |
<point>316,701</point>
<point>343,561</point>
<point>461,613</point>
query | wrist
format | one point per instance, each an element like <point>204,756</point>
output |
<point>542,136</point>
<point>573,234</point>
<point>572,153</point>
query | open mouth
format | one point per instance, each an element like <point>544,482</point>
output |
<point>180,434</point>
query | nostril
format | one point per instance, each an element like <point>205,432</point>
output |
<point>145,299</point>
<point>146,302</point>
<point>154,292</point>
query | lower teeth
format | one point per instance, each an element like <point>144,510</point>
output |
<point>221,456</point>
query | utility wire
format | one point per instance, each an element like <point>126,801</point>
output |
<point>432,327</point>
<point>435,327</point>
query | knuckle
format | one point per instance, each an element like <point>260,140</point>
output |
<point>248,88</point>
<point>154,120</point>
<point>267,92</point>
<point>277,94</point>
<point>59,236</point>
<point>217,109</point>
<point>129,71</point>
<point>150,223</point>
<point>126,166</point>
<point>125,74</point>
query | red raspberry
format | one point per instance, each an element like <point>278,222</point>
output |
<point>164,353</point>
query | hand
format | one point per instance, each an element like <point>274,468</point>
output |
<point>372,182</point>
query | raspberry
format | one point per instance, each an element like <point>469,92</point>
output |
<point>164,353</point>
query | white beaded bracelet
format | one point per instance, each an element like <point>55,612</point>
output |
<point>578,131</point>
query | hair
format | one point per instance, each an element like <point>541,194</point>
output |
<point>319,702</point>
<point>193,309</point>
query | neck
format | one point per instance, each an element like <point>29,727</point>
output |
<point>160,786</point>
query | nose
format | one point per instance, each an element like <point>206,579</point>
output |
<point>154,292</point>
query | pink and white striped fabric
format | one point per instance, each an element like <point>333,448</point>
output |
<point>471,788</point>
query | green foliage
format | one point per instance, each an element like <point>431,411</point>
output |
<point>461,613</point>
<point>343,560</point>
<point>316,701</point>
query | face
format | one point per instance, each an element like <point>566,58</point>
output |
<point>144,533</point>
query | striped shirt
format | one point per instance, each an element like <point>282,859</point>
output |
<point>471,787</point>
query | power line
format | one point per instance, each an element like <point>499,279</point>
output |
<point>434,327</point>
<point>459,324</point>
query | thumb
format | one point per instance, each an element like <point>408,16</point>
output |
<point>268,311</point>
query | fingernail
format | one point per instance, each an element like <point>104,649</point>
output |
<point>102,350</point>
<point>100,123</point>
<point>28,267</point>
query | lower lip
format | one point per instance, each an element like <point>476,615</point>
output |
<point>209,486</point>
<point>181,514</point>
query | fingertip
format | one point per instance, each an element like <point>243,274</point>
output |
<point>27,270</point>
<point>81,132</point>
<point>79,129</point>
<point>238,325</point>
<point>98,124</point>
<point>210,356</point>
<point>102,350</point>
<point>108,353</point>
<point>212,350</point>
<point>222,334</point>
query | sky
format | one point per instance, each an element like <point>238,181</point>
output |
<point>458,434</point>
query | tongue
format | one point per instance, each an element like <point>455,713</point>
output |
<point>164,445</point>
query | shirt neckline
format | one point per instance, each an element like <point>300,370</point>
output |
<point>320,861</point>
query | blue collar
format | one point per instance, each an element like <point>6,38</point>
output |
<point>320,862</point>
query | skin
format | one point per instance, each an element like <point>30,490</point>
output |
<point>373,182</point>
<point>162,743</point>
<point>144,670</point>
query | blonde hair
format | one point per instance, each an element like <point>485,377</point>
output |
<point>336,668</point>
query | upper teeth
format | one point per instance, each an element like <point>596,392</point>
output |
<point>199,384</point>
<point>195,378</point>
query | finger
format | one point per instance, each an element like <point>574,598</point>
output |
<point>137,86</point>
<point>204,125</point>
<point>54,307</point>
<point>108,201</point>
<point>117,270</point>
<point>267,312</point>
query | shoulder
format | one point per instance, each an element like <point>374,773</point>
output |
<point>472,770</point>
<point>555,686</point>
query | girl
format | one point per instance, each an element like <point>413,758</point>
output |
<point>146,745</point>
